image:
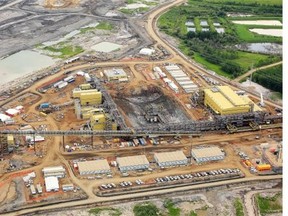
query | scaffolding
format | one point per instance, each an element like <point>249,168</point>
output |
<point>3,144</point>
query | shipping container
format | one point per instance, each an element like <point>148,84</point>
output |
<point>263,167</point>
<point>248,163</point>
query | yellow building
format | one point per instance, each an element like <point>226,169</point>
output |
<point>91,98</point>
<point>98,121</point>
<point>77,92</point>
<point>88,112</point>
<point>224,101</point>
<point>102,121</point>
<point>86,86</point>
<point>88,97</point>
<point>10,139</point>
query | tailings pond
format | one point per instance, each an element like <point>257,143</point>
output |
<point>23,63</point>
<point>266,48</point>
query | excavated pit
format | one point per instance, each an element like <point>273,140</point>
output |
<point>148,106</point>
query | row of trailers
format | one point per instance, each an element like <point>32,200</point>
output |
<point>181,78</point>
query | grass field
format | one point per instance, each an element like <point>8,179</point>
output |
<point>66,51</point>
<point>269,204</point>
<point>104,26</point>
<point>172,210</point>
<point>245,35</point>
<point>108,210</point>
<point>266,2</point>
<point>239,207</point>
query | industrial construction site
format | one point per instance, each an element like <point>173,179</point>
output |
<point>127,118</point>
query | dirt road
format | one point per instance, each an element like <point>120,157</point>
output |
<point>248,73</point>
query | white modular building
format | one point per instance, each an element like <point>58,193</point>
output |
<point>174,87</point>
<point>183,83</point>
<point>147,51</point>
<point>179,79</point>
<point>172,67</point>
<point>138,162</point>
<point>93,167</point>
<point>207,154</point>
<point>67,187</point>
<point>56,171</point>
<point>51,183</point>
<point>167,159</point>
<point>157,69</point>
<point>4,117</point>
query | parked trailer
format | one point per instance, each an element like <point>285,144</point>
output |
<point>39,188</point>
<point>32,189</point>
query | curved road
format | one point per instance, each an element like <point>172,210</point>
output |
<point>248,73</point>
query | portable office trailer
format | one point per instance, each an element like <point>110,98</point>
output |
<point>179,75</point>
<point>186,83</point>
<point>173,87</point>
<point>179,79</point>
<point>32,189</point>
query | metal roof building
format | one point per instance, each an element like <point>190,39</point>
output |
<point>57,171</point>
<point>137,162</point>
<point>51,183</point>
<point>115,74</point>
<point>166,159</point>
<point>207,154</point>
<point>223,100</point>
<point>93,167</point>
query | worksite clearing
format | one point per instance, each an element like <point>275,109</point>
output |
<point>123,116</point>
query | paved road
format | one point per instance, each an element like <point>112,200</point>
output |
<point>248,73</point>
<point>10,4</point>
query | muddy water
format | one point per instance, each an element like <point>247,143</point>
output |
<point>266,48</point>
<point>22,63</point>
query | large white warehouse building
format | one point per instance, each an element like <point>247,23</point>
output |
<point>138,162</point>
<point>207,154</point>
<point>166,159</point>
<point>93,167</point>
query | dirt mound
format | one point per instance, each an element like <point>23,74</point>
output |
<point>61,3</point>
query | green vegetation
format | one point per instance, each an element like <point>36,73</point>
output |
<point>217,51</point>
<point>245,35</point>
<point>276,96</point>
<point>113,211</point>
<point>104,26</point>
<point>66,51</point>
<point>172,211</point>
<point>239,207</point>
<point>270,78</point>
<point>255,2</point>
<point>269,204</point>
<point>193,213</point>
<point>131,1</point>
<point>134,11</point>
<point>144,209</point>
